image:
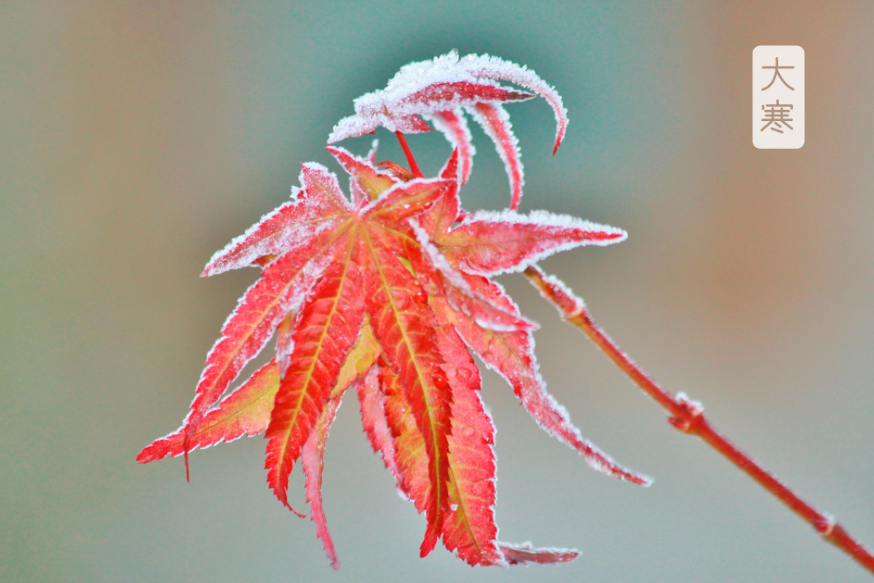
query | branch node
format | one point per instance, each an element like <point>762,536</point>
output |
<point>693,414</point>
<point>554,290</point>
<point>825,526</point>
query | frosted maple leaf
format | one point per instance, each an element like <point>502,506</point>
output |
<point>386,294</point>
<point>442,90</point>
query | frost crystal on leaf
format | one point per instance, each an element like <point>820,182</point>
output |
<point>439,90</point>
<point>387,293</point>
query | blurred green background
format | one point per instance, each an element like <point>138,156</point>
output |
<point>138,137</point>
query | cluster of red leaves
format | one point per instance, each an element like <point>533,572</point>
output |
<point>387,294</point>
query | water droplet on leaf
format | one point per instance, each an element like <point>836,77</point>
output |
<point>440,381</point>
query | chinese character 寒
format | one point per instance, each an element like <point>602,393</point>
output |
<point>777,114</point>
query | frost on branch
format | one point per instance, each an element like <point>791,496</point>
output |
<point>387,293</point>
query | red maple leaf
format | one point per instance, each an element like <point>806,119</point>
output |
<point>388,293</point>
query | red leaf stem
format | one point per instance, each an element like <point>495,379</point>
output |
<point>409,154</point>
<point>688,417</point>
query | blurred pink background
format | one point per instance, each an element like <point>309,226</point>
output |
<point>138,137</point>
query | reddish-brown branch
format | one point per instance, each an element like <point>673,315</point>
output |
<point>414,168</point>
<point>688,417</point>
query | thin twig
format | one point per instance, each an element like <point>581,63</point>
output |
<point>409,154</point>
<point>688,417</point>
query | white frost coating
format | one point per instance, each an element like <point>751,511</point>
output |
<point>368,161</point>
<point>527,547</point>
<point>297,292</point>
<point>371,155</point>
<point>310,212</point>
<point>438,260</point>
<point>395,108</point>
<point>497,68</point>
<point>695,407</point>
<point>359,195</point>
<point>460,295</point>
<point>245,261</point>
<point>351,127</point>
<point>388,107</point>
<point>595,458</point>
<point>547,220</point>
<point>459,137</point>
<point>507,146</point>
<point>392,192</point>
<point>491,325</point>
<point>333,185</point>
<point>288,238</point>
<point>540,387</point>
<point>579,306</point>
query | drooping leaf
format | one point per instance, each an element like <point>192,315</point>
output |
<point>470,530</point>
<point>420,89</point>
<point>512,355</point>
<point>358,362</point>
<point>246,411</point>
<point>495,121</point>
<point>496,68</point>
<point>313,461</point>
<point>404,326</point>
<point>410,464</point>
<point>453,125</point>
<point>282,288</point>
<point>450,95</point>
<point>372,400</point>
<point>328,327</point>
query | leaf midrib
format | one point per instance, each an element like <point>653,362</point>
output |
<point>433,438</point>
<point>263,314</point>
<point>353,237</point>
